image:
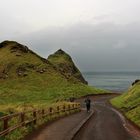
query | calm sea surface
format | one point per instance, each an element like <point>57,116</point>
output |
<point>114,81</point>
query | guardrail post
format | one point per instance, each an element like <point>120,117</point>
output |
<point>5,126</point>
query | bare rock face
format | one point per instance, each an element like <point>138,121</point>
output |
<point>19,48</point>
<point>4,71</point>
<point>64,63</point>
<point>3,76</point>
<point>21,70</point>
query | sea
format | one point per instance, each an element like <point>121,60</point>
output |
<point>113,81</point>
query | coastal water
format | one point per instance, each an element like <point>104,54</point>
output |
<point>114,81</point>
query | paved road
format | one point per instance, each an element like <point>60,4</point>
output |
<point>106,124</point>
<point>60,129</point>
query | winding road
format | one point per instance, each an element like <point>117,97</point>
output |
<point>105,124</point>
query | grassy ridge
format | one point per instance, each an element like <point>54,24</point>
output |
<point>129,103</point>
<point>27,80</point>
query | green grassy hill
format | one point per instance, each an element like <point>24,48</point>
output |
<point>29,80</point>
<point>129,103</point>
<point>64,64</point>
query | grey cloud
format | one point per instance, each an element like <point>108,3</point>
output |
<point>105,46</point>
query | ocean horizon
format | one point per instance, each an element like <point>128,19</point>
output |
<point>115,81</point>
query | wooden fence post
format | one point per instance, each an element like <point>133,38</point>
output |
<point>69,107</point>
<point>73,106</point>
<point>5,125</point>
<point>50,110</point>
<point>43,112</point>
<point>58,109</point>
<point>64,108</point>
<point>76,106</point>
<point>34,116</point>
<point>22,117</point>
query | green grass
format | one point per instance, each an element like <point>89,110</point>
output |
<point>37,89</point>
<point>19,92</point>
<point>129,103</point>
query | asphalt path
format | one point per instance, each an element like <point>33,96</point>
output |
<point>106,124</point>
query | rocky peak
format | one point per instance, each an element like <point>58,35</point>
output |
<point>60,51</point>
<point>64,63</point>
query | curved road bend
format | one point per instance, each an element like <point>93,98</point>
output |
<point>106,124</point>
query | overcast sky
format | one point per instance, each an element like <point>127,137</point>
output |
<point>98,34</point>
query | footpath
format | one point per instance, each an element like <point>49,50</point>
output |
<point>63,129</point>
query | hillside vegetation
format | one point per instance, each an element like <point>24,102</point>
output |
<point>129,103</point>
<point>28,80</point>
<point>64,64</point>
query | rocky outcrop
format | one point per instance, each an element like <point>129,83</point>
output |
<point>15,47</point>
<point>136,81</point>
<point>64,63</point>
<point>4,71</point>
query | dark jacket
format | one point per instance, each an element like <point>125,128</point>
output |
<point>88,101</point>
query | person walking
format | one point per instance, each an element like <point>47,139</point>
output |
<point>88,102</point>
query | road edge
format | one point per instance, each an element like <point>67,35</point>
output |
<point>78,128</point>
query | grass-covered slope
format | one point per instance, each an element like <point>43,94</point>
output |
<point>129,103</point>
<point>26,78</point>
<point>64,63</point>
